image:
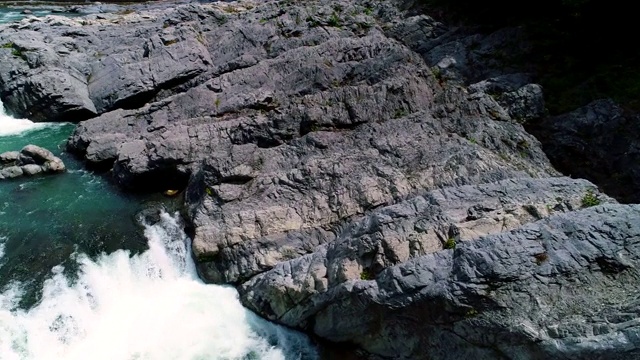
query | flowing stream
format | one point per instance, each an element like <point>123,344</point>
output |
<point>83,277</point>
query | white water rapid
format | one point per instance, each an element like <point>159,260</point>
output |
<point>148,306</point>
<point>11,126</point>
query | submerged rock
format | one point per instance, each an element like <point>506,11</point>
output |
<point>31,160</point>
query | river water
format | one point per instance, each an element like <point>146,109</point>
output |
<point>83,277</point>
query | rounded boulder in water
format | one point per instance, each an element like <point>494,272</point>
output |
<point>31,169</point>
<point>38,154</point>
<point>54,166</point>
<point>9,157</point>
<point>11,172</point>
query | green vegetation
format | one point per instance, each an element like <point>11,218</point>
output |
<point>590,199</point>
<point>450,243</point>
<point>437,73</point>
<point>471,313</point>
<point>334,20</point>
<point>15,51</point>
<point>289,253</point>
<point>400,113</point>
<point>366,274</point>
<point>208,191</point>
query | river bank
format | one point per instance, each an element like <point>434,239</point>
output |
<point>340,168</point>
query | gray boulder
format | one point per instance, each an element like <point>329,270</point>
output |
<point>11,172</point>
<point>35,154</point>
<point>31,169</point>
<point>31,160</point>
<point>32,154</point>
<point>9,157</point>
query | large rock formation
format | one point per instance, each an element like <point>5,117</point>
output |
<point>332,157</point>
<point>561,288</point>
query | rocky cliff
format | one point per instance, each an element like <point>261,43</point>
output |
<point>358,172</point>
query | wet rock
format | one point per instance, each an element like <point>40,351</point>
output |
<point>31,160</point>
<point>31,169</point>
<point>9,157</point>
<point>11,172</point>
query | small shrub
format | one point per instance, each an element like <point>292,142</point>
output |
<point>450,243</point>
<point>400,113</point>
<point>471,313</point>
<point>541,258</point>
<point>208,191</point>
<point>230,9</point>
<point>18,53</point>
<point>437,73</point>
<point>590,199</point>
<point>7,45</point>
<point>311,22</point>
<point>366,275</point>
<point>217,103</point>
<point>289,253</point>
<point>334,20</point>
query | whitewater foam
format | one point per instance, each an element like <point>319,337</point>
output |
<point>12,126</point>
<point>146,306</point>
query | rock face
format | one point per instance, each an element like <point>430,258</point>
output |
<point>62,69</point>
<point>332,156</point>
<point>598,142</point>
<point>31,160</point>
<point>562,287</point>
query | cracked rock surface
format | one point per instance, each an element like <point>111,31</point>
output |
<point>357,172</point>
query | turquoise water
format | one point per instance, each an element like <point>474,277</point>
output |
<point>83,277</point>
<point>47,218</point>
<point>15,14</point>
